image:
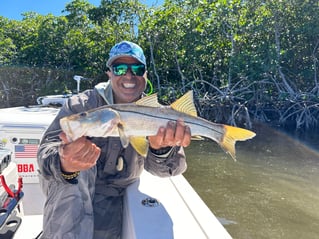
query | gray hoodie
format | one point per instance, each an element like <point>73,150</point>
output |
<point>92,207</point>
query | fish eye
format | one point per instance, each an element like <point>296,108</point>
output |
<point>83,114</point>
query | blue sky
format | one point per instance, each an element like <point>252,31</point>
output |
<point>12,9</point>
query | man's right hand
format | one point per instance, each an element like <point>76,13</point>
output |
<point>78,155</point>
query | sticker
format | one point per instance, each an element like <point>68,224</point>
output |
<point>25,168</point>
<point>26,150</point>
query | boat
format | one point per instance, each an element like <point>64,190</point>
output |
<point>154,207</point>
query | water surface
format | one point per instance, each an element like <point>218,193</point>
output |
<point>272,191</point>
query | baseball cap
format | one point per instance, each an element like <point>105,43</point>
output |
<point>126,48</point>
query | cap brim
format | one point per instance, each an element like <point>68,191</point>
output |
<point>112,59</point>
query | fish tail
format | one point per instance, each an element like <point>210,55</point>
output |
<point>231,135</point>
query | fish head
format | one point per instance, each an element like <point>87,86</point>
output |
<point>93,123</point>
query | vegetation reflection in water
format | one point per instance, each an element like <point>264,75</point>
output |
<point>272,191</point>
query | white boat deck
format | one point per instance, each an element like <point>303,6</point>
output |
<point>172,210</point>
<point>177,211</point>
<point>30,227</point>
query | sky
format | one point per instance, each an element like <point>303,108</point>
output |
<point>13,9</point>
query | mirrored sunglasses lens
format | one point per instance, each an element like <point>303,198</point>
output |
<point>120,70</point>
<point>138,70</point>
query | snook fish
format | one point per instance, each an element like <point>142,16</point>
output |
<point>133,122</point>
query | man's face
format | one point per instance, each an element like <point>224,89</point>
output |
<point>127,88</point>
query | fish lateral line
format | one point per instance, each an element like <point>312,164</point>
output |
<point>203,122</point>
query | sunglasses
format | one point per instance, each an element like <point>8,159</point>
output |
<point>121,69</point>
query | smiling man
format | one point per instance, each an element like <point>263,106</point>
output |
<point>84,180</point>
<point>127,72</point>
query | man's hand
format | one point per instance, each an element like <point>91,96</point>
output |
<point>174,134</point>
<point>79,155</point>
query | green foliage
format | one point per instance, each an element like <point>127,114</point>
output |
<point>242,58</point>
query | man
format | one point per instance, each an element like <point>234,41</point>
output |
<point>84,180</point>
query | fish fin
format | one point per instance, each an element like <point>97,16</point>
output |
<point>197,137</point>
<point>185,104</point>
<point>140,144</point>
<point>124,139</point>
<point>150,100</point>
<point>233,134</point>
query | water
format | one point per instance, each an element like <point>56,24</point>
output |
<point>272,191</point>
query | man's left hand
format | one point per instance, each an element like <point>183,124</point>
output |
<point>174,134</point>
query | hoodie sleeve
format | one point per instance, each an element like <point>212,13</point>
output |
<point>169,164</point>
<point>48,156</point>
